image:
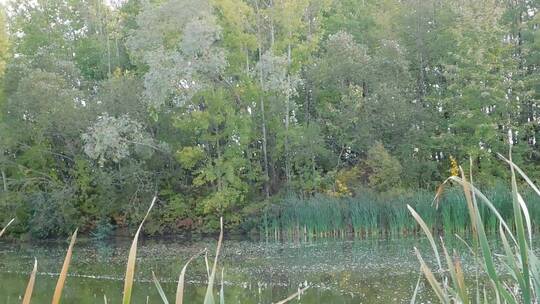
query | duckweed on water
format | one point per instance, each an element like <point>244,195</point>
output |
<point>130,275</point>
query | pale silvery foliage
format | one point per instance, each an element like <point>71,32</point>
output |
<point>174,76</point>
<point>344,61</point>
<point>114,139</point>
<point>161,25</point>
<point>274,70</point>
<point>178,68</point>
<point>162,82</point>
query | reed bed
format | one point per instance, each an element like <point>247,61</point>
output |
<point>369,215</point>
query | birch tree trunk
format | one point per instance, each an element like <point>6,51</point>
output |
<point>262,108</point>
<point>287,117</point>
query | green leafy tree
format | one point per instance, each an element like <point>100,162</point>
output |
<point>383,170</point>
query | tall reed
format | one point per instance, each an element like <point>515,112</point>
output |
<point>522,285</point>
<point>5,227</point>
<point>371,215</point>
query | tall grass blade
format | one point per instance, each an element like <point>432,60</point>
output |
<point>5,227</point>
<point>130,268</point>
<point>435,285</point>
<point>523,175</point>
<point>535,273</point>
<point>428,234</point>
<point>293,296</point>
<point>511,260</point>
<point>519,211</point>
<point>159,289</point>
<point>222,291</point>
<point>461,279</point>
<point>30,286</point>
<point>476,219</point>
<point>416,289</point>
<point>497,297</point>
<point>465,243</point>
<point>209,298</point>
<point>181,279</point>
<point>207,264</point>
<point>523,207</point>
<point>471,200</point>
<point>63,273</point>
<point>458,286</point>
<point>485,200</point>
<point>438,195</point>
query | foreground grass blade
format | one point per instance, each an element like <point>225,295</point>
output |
<point>30,286</point>
<point>438,195</point>
<point>130,268</point>
<point>294,295</point>
<point>525,177</point>
<point>222,291</point>
<point>535,273</point>
<point>207,264</point>
<point>428,234</point>
<point>4,230</point>
<point>413,299</point>
<point>435,285</point>
<point>526,213</point>
<point>460,278</point>
<point>519,210</point>
<point>511,259</point>
<point>477,193</point>
<point>480,233</point>
<point>181,279</point>
<point>456,280</point>
<point>63,274</point>
<point>209,298</point>
<point>159,289</point>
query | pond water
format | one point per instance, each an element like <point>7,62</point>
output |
<point>339,271</point>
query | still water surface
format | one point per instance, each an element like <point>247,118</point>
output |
<point>339,271</point>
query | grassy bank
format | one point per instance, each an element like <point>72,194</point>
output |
<point>372,215</point>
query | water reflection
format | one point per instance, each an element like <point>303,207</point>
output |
<point>340,271</point>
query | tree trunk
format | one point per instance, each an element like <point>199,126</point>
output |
<point>287,111</point>
<point>247,61</point>
<point>218,150</point>
<point>106,34</point>
<point>4,181</point>
<point>262,108</point>
<point>272,28</point>
<point>108,55</point>
<point>421,87</point>
<point>117,51</point>
<point>265,153</point>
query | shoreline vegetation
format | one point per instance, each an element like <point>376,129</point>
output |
<point>447,282</point>
<point>376,216</point>
<point>286,119</point>
<point>234,108</point>
<point>366,216</point>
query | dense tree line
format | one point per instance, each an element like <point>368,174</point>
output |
<point>225,106</point>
